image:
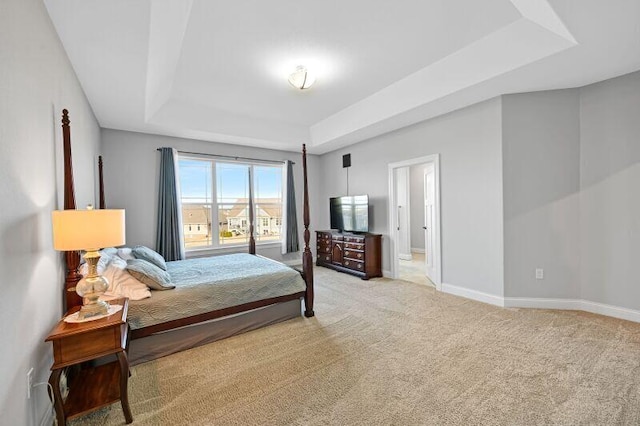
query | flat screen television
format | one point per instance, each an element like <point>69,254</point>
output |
<point>350,213</point>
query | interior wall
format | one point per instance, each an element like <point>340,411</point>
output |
<point>417,205</point>
<point>610,191</point>
<point>36,82</point>
<point>541,172</point>
<point>131,170</point>
<point>469,143</point>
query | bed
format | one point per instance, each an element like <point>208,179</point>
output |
<point>246,291</point>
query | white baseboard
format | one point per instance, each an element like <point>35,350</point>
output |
<point>404,256</point>
<point>542,303</point>
<point>417,250</point>
<point>386,273</point>
<point>574,305</point>
<point>611,311</point>
<point>473,294</point>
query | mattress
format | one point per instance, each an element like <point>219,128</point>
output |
<point>212,283</point>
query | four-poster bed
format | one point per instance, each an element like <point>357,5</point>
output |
<point>162,338</point>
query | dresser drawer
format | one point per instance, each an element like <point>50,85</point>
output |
<point>324,248</point>
<point>354,240</point>
<point>324,258</point>
<point>353,254</point>
<point>356,265</point>
<point>357,246</point>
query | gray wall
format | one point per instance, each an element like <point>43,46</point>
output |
<point>36,82</point>
<point>416,191</point>
<point>469,142</point>
<point>541,172</point>
<point>131,170</point>
<point>610,191</point>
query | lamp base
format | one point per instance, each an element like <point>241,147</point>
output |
<point>93,309</point>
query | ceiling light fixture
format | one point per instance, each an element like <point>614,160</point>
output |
<point>301,78</point>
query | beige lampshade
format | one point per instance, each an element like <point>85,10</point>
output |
<point>87,229</point>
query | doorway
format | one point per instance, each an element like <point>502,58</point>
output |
<point>414,220</point>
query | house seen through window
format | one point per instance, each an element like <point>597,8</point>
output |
<point>215,202</point>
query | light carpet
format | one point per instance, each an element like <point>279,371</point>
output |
<point>383,352</point>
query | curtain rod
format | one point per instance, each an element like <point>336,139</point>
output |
<point>231,157</point>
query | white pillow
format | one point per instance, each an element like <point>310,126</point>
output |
<point>121,283</point>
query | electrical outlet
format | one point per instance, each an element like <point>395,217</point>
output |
<point>29,382</point>
<point>539,274</point>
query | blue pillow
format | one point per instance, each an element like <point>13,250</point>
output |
<point>145,253</point>
<point>149,274</point>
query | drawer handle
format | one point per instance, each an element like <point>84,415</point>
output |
<point>359,255</point>
<point>360,265</point>
<point>346,253</point>
<point>346,263</point>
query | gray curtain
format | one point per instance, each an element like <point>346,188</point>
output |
<point>292,220</point>
<point>169,238</point>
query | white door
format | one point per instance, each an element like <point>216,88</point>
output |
<point>429,219</point>
<point>402,213</point>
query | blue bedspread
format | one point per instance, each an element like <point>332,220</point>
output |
<point>212,283</point>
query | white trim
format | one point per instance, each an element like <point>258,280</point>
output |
<point>472,294</point>
<point>611,311</point>
<point>395,266</point>
<point>574,304</point>
<point>404,256</point>
<point>541,303</point>
<point>387,273</point>
<point>417,250</point>
<point>239,248</point>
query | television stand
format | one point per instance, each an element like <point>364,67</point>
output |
<point>358,254</point>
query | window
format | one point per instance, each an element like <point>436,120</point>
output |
<point>217,192</point>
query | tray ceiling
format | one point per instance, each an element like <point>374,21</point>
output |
<point>217,70</point>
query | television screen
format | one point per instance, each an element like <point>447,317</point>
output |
<point>350,213</point>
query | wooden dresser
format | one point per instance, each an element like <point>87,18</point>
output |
<point>356,254</point>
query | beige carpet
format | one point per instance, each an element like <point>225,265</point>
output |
<point>386,352</point>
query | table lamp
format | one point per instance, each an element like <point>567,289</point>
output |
<point>89,230</point>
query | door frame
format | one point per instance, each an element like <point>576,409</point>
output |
<point>430,170</point>
<point>437,256</point>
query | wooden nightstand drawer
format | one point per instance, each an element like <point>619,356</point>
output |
<point>89,345</point>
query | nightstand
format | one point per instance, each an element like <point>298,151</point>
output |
<point>91,387</point>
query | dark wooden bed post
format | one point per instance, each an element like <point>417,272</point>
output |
<point>72,258</point>
<point>101,183</point>
<point>307,259</point>
<point>252,240</point>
